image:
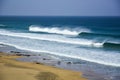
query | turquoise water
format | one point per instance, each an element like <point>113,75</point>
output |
<point>93,39</point>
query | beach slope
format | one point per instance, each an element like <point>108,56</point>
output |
<point>10,69</point>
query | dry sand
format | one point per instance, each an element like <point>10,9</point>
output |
<point>10,69</point>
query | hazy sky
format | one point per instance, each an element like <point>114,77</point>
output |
<point>60,7</point>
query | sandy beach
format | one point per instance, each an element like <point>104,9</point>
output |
<point>10,69</point>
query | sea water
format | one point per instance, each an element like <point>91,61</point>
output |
<point>92,39</point>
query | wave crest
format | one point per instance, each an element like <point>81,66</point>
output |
<point>55,30</point>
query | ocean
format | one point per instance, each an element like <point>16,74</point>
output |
<point>92,39</point>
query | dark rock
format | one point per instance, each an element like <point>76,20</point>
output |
<point>76,62</point>
<point>14,52</point>
<point>19,55</point>
<point>69,62</point>
<point>11,51</point>
<point>37,62</point>
<point>45,59</point>
<point>59,62</point>
<point>27,55</point>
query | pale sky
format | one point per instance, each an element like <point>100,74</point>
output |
<point>60,7</point>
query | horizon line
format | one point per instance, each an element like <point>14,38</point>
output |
<point>49,16</point>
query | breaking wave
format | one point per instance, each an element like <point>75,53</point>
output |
<point>62,39</point>
<point>98,34</point>
<point>56,30</point>
<point>58,38</point>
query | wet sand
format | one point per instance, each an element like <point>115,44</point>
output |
<point>11,69</point>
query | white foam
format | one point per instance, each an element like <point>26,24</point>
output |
<point>109,62</point>
<point>56,30</point>
<point>58,38</point>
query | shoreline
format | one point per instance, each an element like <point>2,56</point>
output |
<point>86,70</point>
<point>13,69</point>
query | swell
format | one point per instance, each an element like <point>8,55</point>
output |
<point>2,25</point>
<point>112,45</point>
<point>106,43</point>
<point>98,34</point>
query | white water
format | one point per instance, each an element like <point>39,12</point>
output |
<point>92,56</point>
<point>55,44</point>
<point>56,38</point>
<point>56,30</point>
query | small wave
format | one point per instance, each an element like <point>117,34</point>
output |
<point>2,25</point>
<point>112,45</point>
<point>98,34</point>
<point>55,30</point>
